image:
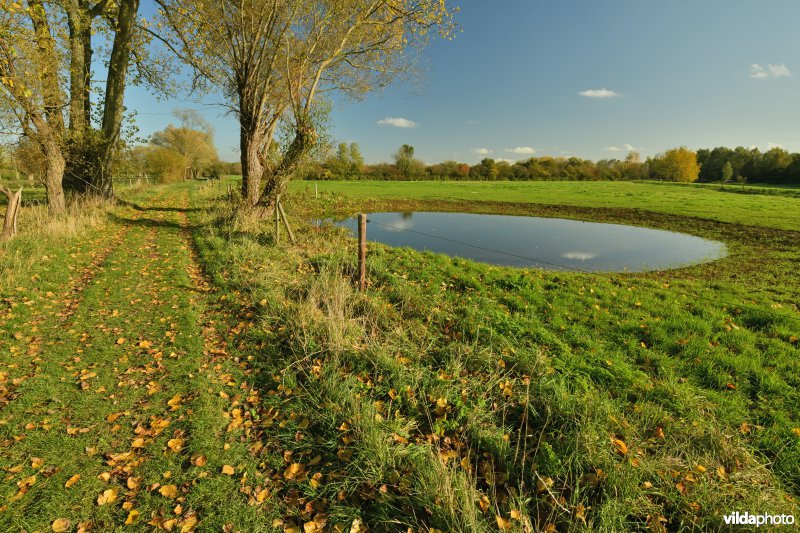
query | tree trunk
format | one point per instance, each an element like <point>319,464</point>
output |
<point>10,224</point>
<point>79,20</point>
<point>115,94</point>
<point>252,169</point>
<point>276,182</point>
<point>54,164</point>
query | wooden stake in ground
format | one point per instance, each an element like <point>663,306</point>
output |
<point>277,221</point>
<point>12,210</point>
<point>362,252</point>
<point>279,208</point>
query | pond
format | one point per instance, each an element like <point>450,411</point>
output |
<point>533,242</point>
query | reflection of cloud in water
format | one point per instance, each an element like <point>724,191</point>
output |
<point>399,225</point>
<point>579,256</point>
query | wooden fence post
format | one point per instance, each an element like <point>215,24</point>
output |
<point>277,220</point>
<point>362,252</point>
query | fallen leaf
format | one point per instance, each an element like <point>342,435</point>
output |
<point>71,481</point>
<point>228,470</point>
<point>133,516</point>
<point>107,496</point>
<point>60,525</point>
<point>169,491</point>
<point>175,445</point>
<point>620,445</point>
<point>503,524</point>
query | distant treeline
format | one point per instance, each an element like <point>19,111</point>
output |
<point>679,164</point>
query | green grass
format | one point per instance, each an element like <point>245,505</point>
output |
<point>451,395</point>
<point>780,211</point>
<point>450,382</point>
<point>110,335</point>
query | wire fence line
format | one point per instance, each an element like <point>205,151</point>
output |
<point>584,271</point>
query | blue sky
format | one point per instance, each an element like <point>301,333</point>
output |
<point>675,72</point>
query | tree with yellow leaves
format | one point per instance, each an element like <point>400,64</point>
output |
<point>677,164</point>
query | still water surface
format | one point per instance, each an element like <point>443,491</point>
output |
<point>549,243</point>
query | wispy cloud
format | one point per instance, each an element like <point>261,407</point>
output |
<point>481,151</point>
<point>521,150</point>
<point>397,122</point>
<point>759,72</point>
<point>599,93</point>
<point>503,160</point>
<point>626,147</point>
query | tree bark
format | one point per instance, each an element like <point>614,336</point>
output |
<point>12,209</point>
<point>79,20</point>
<point>115,94</point>
<point>250,144</point>
<point>276,181</point>
<point>54,174</point>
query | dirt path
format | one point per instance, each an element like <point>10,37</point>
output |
<point>120,400</point>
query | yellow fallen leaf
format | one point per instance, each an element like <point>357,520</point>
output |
<point>133,516</point>
<point>107,496</point>
<point>71,481</point>
<point>169,491</point>
<point>228,470</point>
<point>121,340</point>
<point>175,445</point>
<point>484,503</point>
<point>26,482</point>
<point>503,524</point>
<point>138,442</point>
<point>200,460</point>
<point>188,524</point>
<point>37,462</point>
<point>133,482</point>
<point>620,446</point>
<point>114,416</point>
<point>60,525</point>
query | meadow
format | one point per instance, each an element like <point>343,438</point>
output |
<point>767,206</point>
<point>195,374</point>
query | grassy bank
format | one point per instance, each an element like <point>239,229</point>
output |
<point>461,396</point>
<point>165,365</point>
<point>780,211</point>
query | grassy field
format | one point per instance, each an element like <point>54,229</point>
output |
<point>195,375</point>
<point>778,210</point>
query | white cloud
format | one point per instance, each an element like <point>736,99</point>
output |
<point>503,160</point>
<point>770,71</point>
<point>599,93</point>
<point>397,122</point>
<point>626,148</point>
<point>481,151</point>
<point>521,150</point>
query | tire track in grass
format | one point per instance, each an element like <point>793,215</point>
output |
<point>142,414</point>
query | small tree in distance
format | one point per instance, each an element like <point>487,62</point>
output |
<point>727,173</point>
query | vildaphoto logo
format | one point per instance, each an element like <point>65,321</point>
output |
<point>758,520</point>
